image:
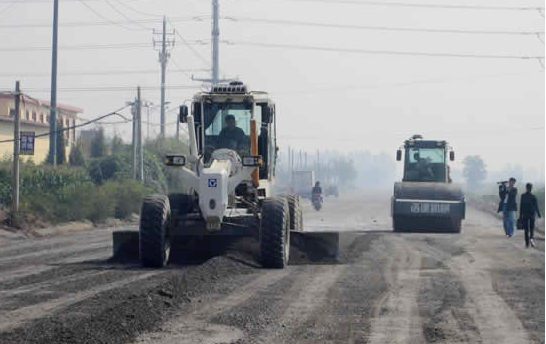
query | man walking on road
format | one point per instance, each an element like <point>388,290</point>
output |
<point>508,205</point>
<point>527,208</point>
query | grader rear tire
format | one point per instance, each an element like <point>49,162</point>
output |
<point>154,245</point>
<point>295,212</point>
<point>275,233</point>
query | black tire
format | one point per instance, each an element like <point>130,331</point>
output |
<point>275,233</point>
<point>295,212</point>
<point>154,247</point>
<point>456,225</point>
<point>397,224</point>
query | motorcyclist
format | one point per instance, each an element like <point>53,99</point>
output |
<point>317,190</point>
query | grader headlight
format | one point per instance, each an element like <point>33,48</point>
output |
<point>252,161</point>
<point>175,160</point>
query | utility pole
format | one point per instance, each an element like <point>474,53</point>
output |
<point>163,58</point>
<point>16,142</point>
<point>134,142</point>
<point>215,72</point>
<point>140,145</point>
<point>53,105</point>
<point>148,121</point>
<point>215,41</point>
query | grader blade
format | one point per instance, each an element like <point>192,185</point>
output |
<point>314,246</point>
<point>125,245</point>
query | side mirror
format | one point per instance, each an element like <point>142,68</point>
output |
<point>183,114</point>
<point>398,155</point>
<point>452,155</point>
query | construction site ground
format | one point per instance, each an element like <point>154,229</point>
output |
<point>475,287</point>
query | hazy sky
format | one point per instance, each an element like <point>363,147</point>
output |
<point>493,107</point>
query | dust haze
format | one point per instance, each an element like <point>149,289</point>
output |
<point>331,100</point>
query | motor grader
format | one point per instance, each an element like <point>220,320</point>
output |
<point>229,173</point>
<point>426,198</point>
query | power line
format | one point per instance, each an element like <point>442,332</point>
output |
<point>88,46</point>
<point>99,23</point>
<point>186,43</point>
<point>114,113</point>
<point>112,88</point>
<point>407,83</point>
<point>381,28</point>
<point>354,2</point>
<point>421,5</point>
<point>9,6</point>
<point>378,52</point>
<point>99,73</point>
<point>48,2</point>
<point>124,16</point>
<point>180,69</point>
<point>465,134</point>
<point>108,20</point>
<point>130,8</point>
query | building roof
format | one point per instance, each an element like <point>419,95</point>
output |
<point>29,99</point>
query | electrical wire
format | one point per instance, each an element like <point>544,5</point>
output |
<point>192,49</point>
<point>86,46</point>
<point>408,83</point>
<point>9,6</point>
<point>97,23</point>
<point>99,73</point>
<point>380,28</point>
<point>126,17</point>
<point>421,5</point>
<point>108,20</point>
<point>114,113</point>
<point>355,2</point>
<point>451,134</point>
<point>130,8</point>
<point>113,88</point>
<point>378,52</point>
<point>180,68</point>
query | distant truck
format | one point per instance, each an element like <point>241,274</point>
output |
<point>303,182</point>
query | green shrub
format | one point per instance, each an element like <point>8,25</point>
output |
<point>35,180</point>
<point>117,199</point>
<point>128,196</point>
<point>108,168</point>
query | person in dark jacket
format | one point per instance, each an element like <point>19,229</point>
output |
<point>508,206</point>
<point>527,208</point>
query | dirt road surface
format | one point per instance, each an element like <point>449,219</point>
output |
<point>473,287</point>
